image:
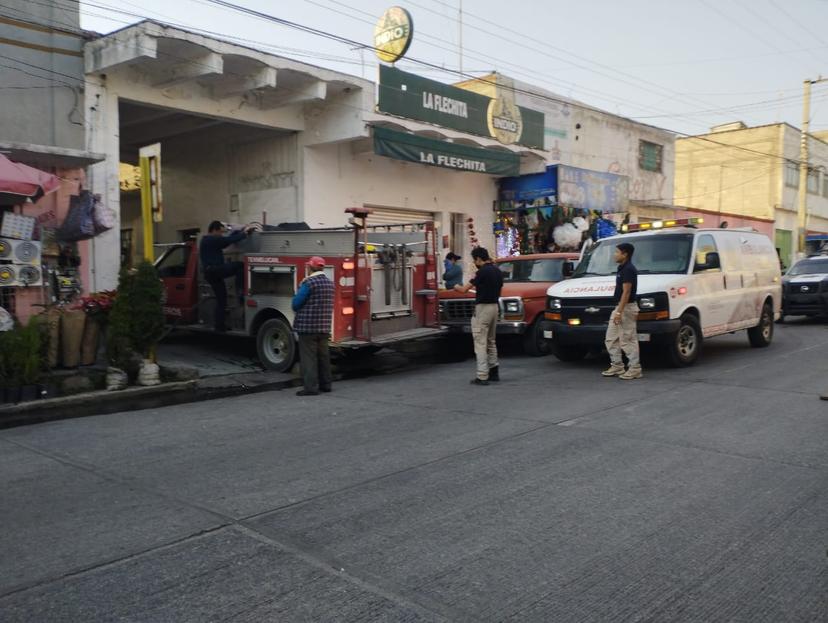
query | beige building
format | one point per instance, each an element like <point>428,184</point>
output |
<point>750,176</point>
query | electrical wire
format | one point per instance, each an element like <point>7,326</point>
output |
<point>340,39</point>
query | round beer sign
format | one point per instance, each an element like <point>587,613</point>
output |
<point>504,120</point>
<point>393,34</point>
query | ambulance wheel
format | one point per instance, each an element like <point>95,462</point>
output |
<point>685,346</point>
<point>761,335</point>
<point>534,344</point>
<point>275,345</point>
<point>568,353</point>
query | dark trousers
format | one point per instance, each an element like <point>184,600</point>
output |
<point>315,358</point>
<point>215,276</point>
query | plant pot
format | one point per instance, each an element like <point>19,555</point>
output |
<point>53,330</point>
<point>48,390</point>
<point>29,392</point>
<point>90,341</point>
<point>13,395</point>
<point>71,329</point>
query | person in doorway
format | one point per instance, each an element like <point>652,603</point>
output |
<point>622,334</point>
<point>488,282</point>
<point>454,272</point>
<point>216,270</point>
<point>313,305</point>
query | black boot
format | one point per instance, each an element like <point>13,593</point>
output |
<point>494,374</point>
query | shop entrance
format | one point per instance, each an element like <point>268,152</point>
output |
<point>211,169</point>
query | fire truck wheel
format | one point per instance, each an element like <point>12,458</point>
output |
<point>534,344</point>
<point>275,345</point>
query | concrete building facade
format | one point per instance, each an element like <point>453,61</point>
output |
<point>42,120</point>
<point>579,135</point>
<point>737,172</point>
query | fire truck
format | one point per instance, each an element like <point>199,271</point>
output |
<point>385,279</point>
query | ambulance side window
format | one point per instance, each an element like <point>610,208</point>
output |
<point>705,245</point>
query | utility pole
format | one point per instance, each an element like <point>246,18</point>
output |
<point>802,211</point>
<point>460,32</point>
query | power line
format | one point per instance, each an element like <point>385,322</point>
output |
<point>341,39</point>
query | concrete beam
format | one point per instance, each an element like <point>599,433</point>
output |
<point>264,78</point>
<point>203,65</point>
<point>312,92</point>
<point>107,53</point>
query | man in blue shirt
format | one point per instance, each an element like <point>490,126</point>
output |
<point>622,334</point>
<point>216,270</point>
<point>453,276</point>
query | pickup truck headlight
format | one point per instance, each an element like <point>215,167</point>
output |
<point>555,304</point>
<point>512,306</point>
<point>647,302</point>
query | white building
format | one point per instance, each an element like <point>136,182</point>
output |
<point>246,136</point>
<point>582,136</point>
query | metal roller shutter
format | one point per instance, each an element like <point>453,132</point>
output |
<point>394,216</point>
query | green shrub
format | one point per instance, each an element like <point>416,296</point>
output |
<point>22,354</point>
<point>136,321</point>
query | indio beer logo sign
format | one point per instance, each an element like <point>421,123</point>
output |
<point>393,34</point>
<point>504,120</point>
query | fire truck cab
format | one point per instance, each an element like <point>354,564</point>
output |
<point>385,279</point>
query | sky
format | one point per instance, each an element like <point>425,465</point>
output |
<point>683,65</point>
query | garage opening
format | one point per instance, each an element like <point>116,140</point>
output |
<point>211,169</point>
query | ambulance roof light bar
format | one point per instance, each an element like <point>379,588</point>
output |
<point>681,222</point>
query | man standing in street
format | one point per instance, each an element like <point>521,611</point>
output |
<point>487,283</point>
<point>313,305</point>
<point>454,272</point>
<point>622,334</point>
<point>216,270</point>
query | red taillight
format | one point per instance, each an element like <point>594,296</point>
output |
<point>347,265</point>
<point>682,290</point>
<point>347,311</point>
<point>251,303</point>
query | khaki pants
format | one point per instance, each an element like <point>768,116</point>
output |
<point>624,337</point>
<point>484,330</point>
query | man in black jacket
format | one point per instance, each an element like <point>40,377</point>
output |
<point>488,282</point>
<point>216,270</point>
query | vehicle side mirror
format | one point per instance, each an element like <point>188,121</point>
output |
<point>711,262</point>
<point>568,269</point>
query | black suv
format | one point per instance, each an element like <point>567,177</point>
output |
<point>805,288</point>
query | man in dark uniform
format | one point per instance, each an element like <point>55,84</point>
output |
<point>622,334</point>
<point>488,282</point>
<point>216,270</point>
<point>313,305</point>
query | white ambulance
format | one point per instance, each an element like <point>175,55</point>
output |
<point>693,284</point>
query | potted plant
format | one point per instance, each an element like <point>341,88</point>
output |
<point>96,307</point>
<point>10,358</point>
<point>30,359</point>
<point>136,323</point>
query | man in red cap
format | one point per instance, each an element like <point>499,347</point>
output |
<point>313,305</point>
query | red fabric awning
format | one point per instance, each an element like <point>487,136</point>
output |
<point>26,181</point>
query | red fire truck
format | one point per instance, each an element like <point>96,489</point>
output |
<point>385,278</point>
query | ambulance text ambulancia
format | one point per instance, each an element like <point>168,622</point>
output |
<point>693,284</point>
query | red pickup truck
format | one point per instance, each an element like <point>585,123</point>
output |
<point>526,278</point>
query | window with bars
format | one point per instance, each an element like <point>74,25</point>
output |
<point>650,156</point>
<point>791,174</point>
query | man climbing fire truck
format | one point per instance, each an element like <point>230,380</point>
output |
<point>385,279</point>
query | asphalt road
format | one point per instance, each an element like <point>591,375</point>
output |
<point>691,495</point>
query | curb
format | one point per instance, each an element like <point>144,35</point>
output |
<point>136,398</point>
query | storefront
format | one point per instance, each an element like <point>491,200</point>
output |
<point>557,210</point>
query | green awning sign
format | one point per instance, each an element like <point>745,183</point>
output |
<point>414,97</point>
<point>429,151</point>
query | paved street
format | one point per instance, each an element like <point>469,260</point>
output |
<point>692,495</point>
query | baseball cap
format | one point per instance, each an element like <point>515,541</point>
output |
<point>316,262</point>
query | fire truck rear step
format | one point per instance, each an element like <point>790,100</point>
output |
<point>389,338</point>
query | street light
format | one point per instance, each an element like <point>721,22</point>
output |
<point>802,212</point>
